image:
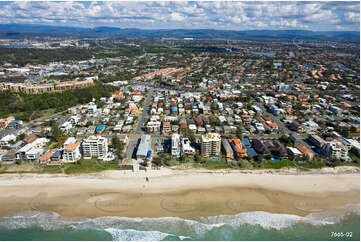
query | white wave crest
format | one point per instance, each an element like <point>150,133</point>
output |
<point>124,228</point>
<point>136,235</point>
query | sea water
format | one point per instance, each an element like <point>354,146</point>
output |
<point>257,225</point>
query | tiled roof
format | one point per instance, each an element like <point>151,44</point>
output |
<point>72,146</point>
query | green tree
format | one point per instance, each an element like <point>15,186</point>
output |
<point>56,133</point>
<point>20,137</point>
<point>118,146</point>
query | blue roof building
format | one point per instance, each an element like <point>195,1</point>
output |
<point>56,156</point>
<point>149,154</point>
<point>15,123</point>
<point>251,152</point>
<point>246,142</point>
<point>144,147</point>
<point>174,110</point>
<point>99,128</point>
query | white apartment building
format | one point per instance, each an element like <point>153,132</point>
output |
<point>176,148</point>
<point>71,152</point>
<point>335,149</point>
<point>187,148</point>
<point>153,126</point>
<point>211,144</point>
<point>95,146</point>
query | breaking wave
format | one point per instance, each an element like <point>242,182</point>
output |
<point>165,228</point>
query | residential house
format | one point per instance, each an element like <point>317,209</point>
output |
<point>7,140</point>
<point>166,127</point>
<point>153,126</point>
<point>260,147</point>
<point>305,151</point>
<point>294,153</point>
<point>238,149</point>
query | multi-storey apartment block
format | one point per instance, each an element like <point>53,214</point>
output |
<point>211,144</point>
<point>95,146</point>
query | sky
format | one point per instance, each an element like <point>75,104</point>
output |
<point>225,15</point>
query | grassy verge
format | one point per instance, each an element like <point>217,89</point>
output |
<point>28,168</point>
<point>313,165</point>
<point>276,164</point>
<point>210,165</point>
<point>83,166</point>
<point>355,158</point>
<point>216,165</point>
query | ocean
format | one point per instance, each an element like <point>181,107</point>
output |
<point>256,226</point>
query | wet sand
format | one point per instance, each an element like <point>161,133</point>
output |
<point>184,194</point>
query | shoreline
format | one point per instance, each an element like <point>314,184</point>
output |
<point>179,193</point>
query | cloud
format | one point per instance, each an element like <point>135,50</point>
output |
<point>176,17</point>
<point>322,16</point>
<point>286,24</point>
<point>352,17</point>
<point>178,14</point>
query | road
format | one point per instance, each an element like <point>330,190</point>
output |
<point>134,139</point>
<point>132,143</point>
<point>31,123</point>
<point>145,112</point>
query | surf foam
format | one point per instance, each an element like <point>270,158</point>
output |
<point>124,228</point>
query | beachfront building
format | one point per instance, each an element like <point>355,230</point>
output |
<point>144,148</point>
<point>336,150</point>
<point>31,152</point>
<point>227,149</point>
<point>316,140</point>
<point>187,148</point>
<point>176,148</point>
<point>294,153</point>
<point>211,144</point>
<point>71,152</point>
<point>239,151</point>
<point>95,146</point>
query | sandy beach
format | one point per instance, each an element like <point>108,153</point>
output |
<point>180,193</point>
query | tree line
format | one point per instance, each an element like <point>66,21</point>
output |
<point>22,56</point>
<point>24,105</point>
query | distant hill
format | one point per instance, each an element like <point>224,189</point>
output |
<point>28,30</point>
